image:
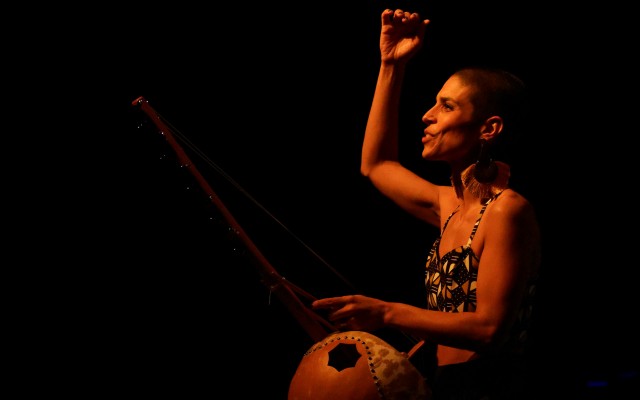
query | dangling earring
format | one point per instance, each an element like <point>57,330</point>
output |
<point>486,177</point>
<point>485,170</point>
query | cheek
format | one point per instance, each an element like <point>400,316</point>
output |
<point>444,146</point>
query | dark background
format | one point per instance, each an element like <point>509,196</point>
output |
<point>273,101</point>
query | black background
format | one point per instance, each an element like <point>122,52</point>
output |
<point>275,98</point>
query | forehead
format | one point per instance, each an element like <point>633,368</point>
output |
<point>456,90</point>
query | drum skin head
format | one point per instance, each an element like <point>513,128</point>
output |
<point>356,365</point>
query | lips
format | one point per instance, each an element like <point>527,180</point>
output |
<point>428,135</point>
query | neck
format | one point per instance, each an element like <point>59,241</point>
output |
<point>458,187</point>
<point>467,186</point>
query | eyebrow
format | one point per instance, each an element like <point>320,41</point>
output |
<point>445,99</point>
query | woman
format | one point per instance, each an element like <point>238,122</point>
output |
<point>481,271</point>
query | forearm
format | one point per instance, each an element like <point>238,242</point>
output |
<point>466,330</point>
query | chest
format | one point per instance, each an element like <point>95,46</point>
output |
<point>461,229</point>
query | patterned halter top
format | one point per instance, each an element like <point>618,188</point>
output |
<point>451,281</point>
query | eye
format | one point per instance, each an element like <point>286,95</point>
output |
<point>447,106</point>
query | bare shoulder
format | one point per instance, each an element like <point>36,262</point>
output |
<point>513,203</point>
<point>516,209</point>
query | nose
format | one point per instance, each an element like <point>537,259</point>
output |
<point>428,117</point>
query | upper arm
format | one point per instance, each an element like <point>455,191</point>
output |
<point>411,192</point>
<point>509,258</point>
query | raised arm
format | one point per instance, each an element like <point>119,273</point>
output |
<point>401,37</point>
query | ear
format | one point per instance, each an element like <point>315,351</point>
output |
<point>491,128</point>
